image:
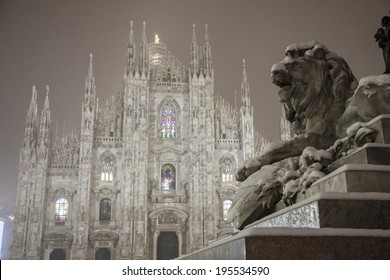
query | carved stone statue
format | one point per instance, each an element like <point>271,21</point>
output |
<point>371,99</point>
<point>315,85</point>
<point>382,36</point>
<point>317,90</point>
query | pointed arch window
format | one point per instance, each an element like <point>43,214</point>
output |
<point>105,210</point>
<point>227,169</point>
<point>168,177</point>
<point>168,121</point>
<point>227,203</point>
<point>106,167</point>
<point>61,210</point>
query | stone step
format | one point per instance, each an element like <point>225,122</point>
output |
<point>298,244</point>
<point>333,210</point>
<point>353,178</point>
<point>371,153</point>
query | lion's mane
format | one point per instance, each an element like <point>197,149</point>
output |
<point>321,84</point>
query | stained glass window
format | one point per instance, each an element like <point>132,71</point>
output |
<point>105,210</point>
<point>227,170</point>
<point>168,177</point>
<point>227,203</point>
<point>168,121</point>
<point>61,210</point>
<point>107,169</point>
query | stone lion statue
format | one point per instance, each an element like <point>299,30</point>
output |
<point>371,99</point>
<point>328,110</point>
<point>315,85</point>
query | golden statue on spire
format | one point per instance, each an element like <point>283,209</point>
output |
<point>156,39</point>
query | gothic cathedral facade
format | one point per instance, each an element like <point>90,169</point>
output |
<point>149,175</point>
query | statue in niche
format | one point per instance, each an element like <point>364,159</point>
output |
<point>317,89</point>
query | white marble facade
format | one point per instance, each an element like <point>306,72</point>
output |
<point>152,170</point>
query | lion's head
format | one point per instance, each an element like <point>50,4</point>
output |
<point>315,85</point>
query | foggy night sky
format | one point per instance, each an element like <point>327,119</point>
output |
<point>49,41</point>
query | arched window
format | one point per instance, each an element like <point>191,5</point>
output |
<point>105,210</point>
<point>227,169</point>
<point>168,121</point>
<point>106,166</point>
<point>227,203</point>
<point>168,177</point>
<point>61,210</point>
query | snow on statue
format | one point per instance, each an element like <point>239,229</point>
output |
<point>317,91</point>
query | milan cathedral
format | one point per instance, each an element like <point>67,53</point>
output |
<point>149,174</point>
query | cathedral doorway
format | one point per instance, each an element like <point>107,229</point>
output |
<point>167,245</point>
<point>103,254</point>
<point>57,254</point>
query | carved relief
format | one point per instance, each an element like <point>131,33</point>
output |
<point>167,217</point>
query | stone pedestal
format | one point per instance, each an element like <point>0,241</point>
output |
<point>344,215</point>
<point>354,178</point>
<point>371,153</point>
<point>298,244</point>
<point>333,210</point>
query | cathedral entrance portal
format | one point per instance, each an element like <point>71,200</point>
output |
<point>167,245</point>
<point>168,226</point>
<point>57,254</point>
<point>103,254</point>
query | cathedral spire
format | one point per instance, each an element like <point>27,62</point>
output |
<point>90,68</point>
<point>244,78</point>
<point>194,65</point>
<point>33,109</point>
<point>144,61</point>
<point>88,106</point>
<point>246,115</point>
<point>245,90</point>
<point>44,129</point>
<point>89,96</point>
<point>206,36</point>
<point>193,34</point>
<point>130,51</point>
<point>207,55</point>
<point>46,105</point>
<point>31,120</point>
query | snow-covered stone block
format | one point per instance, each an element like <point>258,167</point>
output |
<point>354,178</point>
<point>333,210</point>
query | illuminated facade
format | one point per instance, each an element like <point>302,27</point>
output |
<point>150,175</point>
